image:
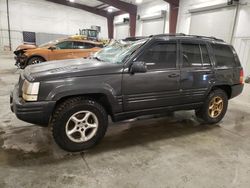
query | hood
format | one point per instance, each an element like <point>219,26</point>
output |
<point>25,47</point>
<point>52,70</point>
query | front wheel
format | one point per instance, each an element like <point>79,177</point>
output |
<point>35,60</point>
<point>214,107</point>
<point>79,124</point>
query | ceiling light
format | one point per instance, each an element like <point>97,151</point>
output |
<point>110,9</point>
<point>138,1</point>
<point>72,1</point>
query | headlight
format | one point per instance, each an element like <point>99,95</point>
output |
<point>30,90</point>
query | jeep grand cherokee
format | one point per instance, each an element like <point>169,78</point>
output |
<point>154,75</point>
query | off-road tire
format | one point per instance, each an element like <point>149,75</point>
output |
<point>62,114</point>
<point>203,113</point>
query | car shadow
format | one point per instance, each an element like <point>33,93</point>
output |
<point>144,132</point>
<point>32,143</point>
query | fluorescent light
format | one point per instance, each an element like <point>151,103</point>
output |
<point>110,9</point>
<point>138,1</point>
<point>72,1</point>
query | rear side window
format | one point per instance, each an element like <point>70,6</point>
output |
<point>161,55</point>
<point>65,45</point>
<point>89,45</point>
<point>223,55</point>
<point>205,56</point>
<point>195,55</point>
<point>191,55</point>
<point>83,45</point>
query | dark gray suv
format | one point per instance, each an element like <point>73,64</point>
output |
<point>154,75</point>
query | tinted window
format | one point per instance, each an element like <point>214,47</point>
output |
<point>88,45</point>
<point>161,55</point>
<point>191,55</point>
<point>205,56</point>
<point>223,55</point>
<point>83,45</point>
<point>79,45</point>
<point>64,45</point>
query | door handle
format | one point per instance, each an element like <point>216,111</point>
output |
<point>173,75</point>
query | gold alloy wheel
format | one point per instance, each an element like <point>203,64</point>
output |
<point>215,107</point>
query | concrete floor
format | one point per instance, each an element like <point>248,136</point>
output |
<point>173,151</point>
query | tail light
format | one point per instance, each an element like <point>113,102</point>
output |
<point>241,76</point>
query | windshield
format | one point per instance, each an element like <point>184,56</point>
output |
<point>48,44</point>
<point>118,51</point>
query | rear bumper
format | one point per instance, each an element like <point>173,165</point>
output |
<point>32,112</point>
<point>236,90</point>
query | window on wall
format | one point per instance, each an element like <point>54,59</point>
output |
<point>161,55</point>
<point>195,55</point>
<point>223,55</point>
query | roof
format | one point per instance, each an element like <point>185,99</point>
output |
<point>184,36</point>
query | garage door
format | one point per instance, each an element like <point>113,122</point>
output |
<point>121,31</point>
<point>152,27</point>
<point>217,23</point>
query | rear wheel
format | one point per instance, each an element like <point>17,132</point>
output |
<point>214,108</point>
<point>35,60</point>
<point>79,124</point>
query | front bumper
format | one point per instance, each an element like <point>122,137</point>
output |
<point>20,60</point>
<point>32,112</point>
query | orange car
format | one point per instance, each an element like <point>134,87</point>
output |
<point>55,50</point>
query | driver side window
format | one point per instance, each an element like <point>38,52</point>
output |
<point>160,56</point>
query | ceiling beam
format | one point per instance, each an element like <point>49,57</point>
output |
<point>98,6</point>
<point>82,7</point>
<point>127,7</point>
<point>173,2</point>
<point>119,12</point>
<point>104,7</point>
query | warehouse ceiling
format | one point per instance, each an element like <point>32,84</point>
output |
<point>105,6</point>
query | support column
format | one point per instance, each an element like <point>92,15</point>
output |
<point>132,24</point>
<point>110,20</point>
<point>173,15</point>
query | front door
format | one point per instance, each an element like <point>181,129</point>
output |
<point>159,86</point>
<point>64,50</point>
<point>196,71</point>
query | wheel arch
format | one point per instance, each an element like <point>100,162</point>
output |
<point>101,98</point>
<point>224,87</point>
<point>35,55</point>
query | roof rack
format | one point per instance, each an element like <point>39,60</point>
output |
<point>182,34</point>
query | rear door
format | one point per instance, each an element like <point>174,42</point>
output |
<point>196,71</point>
<point>159,86</point>
<point>64,50</point>
<point>83,49</point>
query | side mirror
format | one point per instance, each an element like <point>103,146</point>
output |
<point>138,67</point>
<point>52,48</point>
